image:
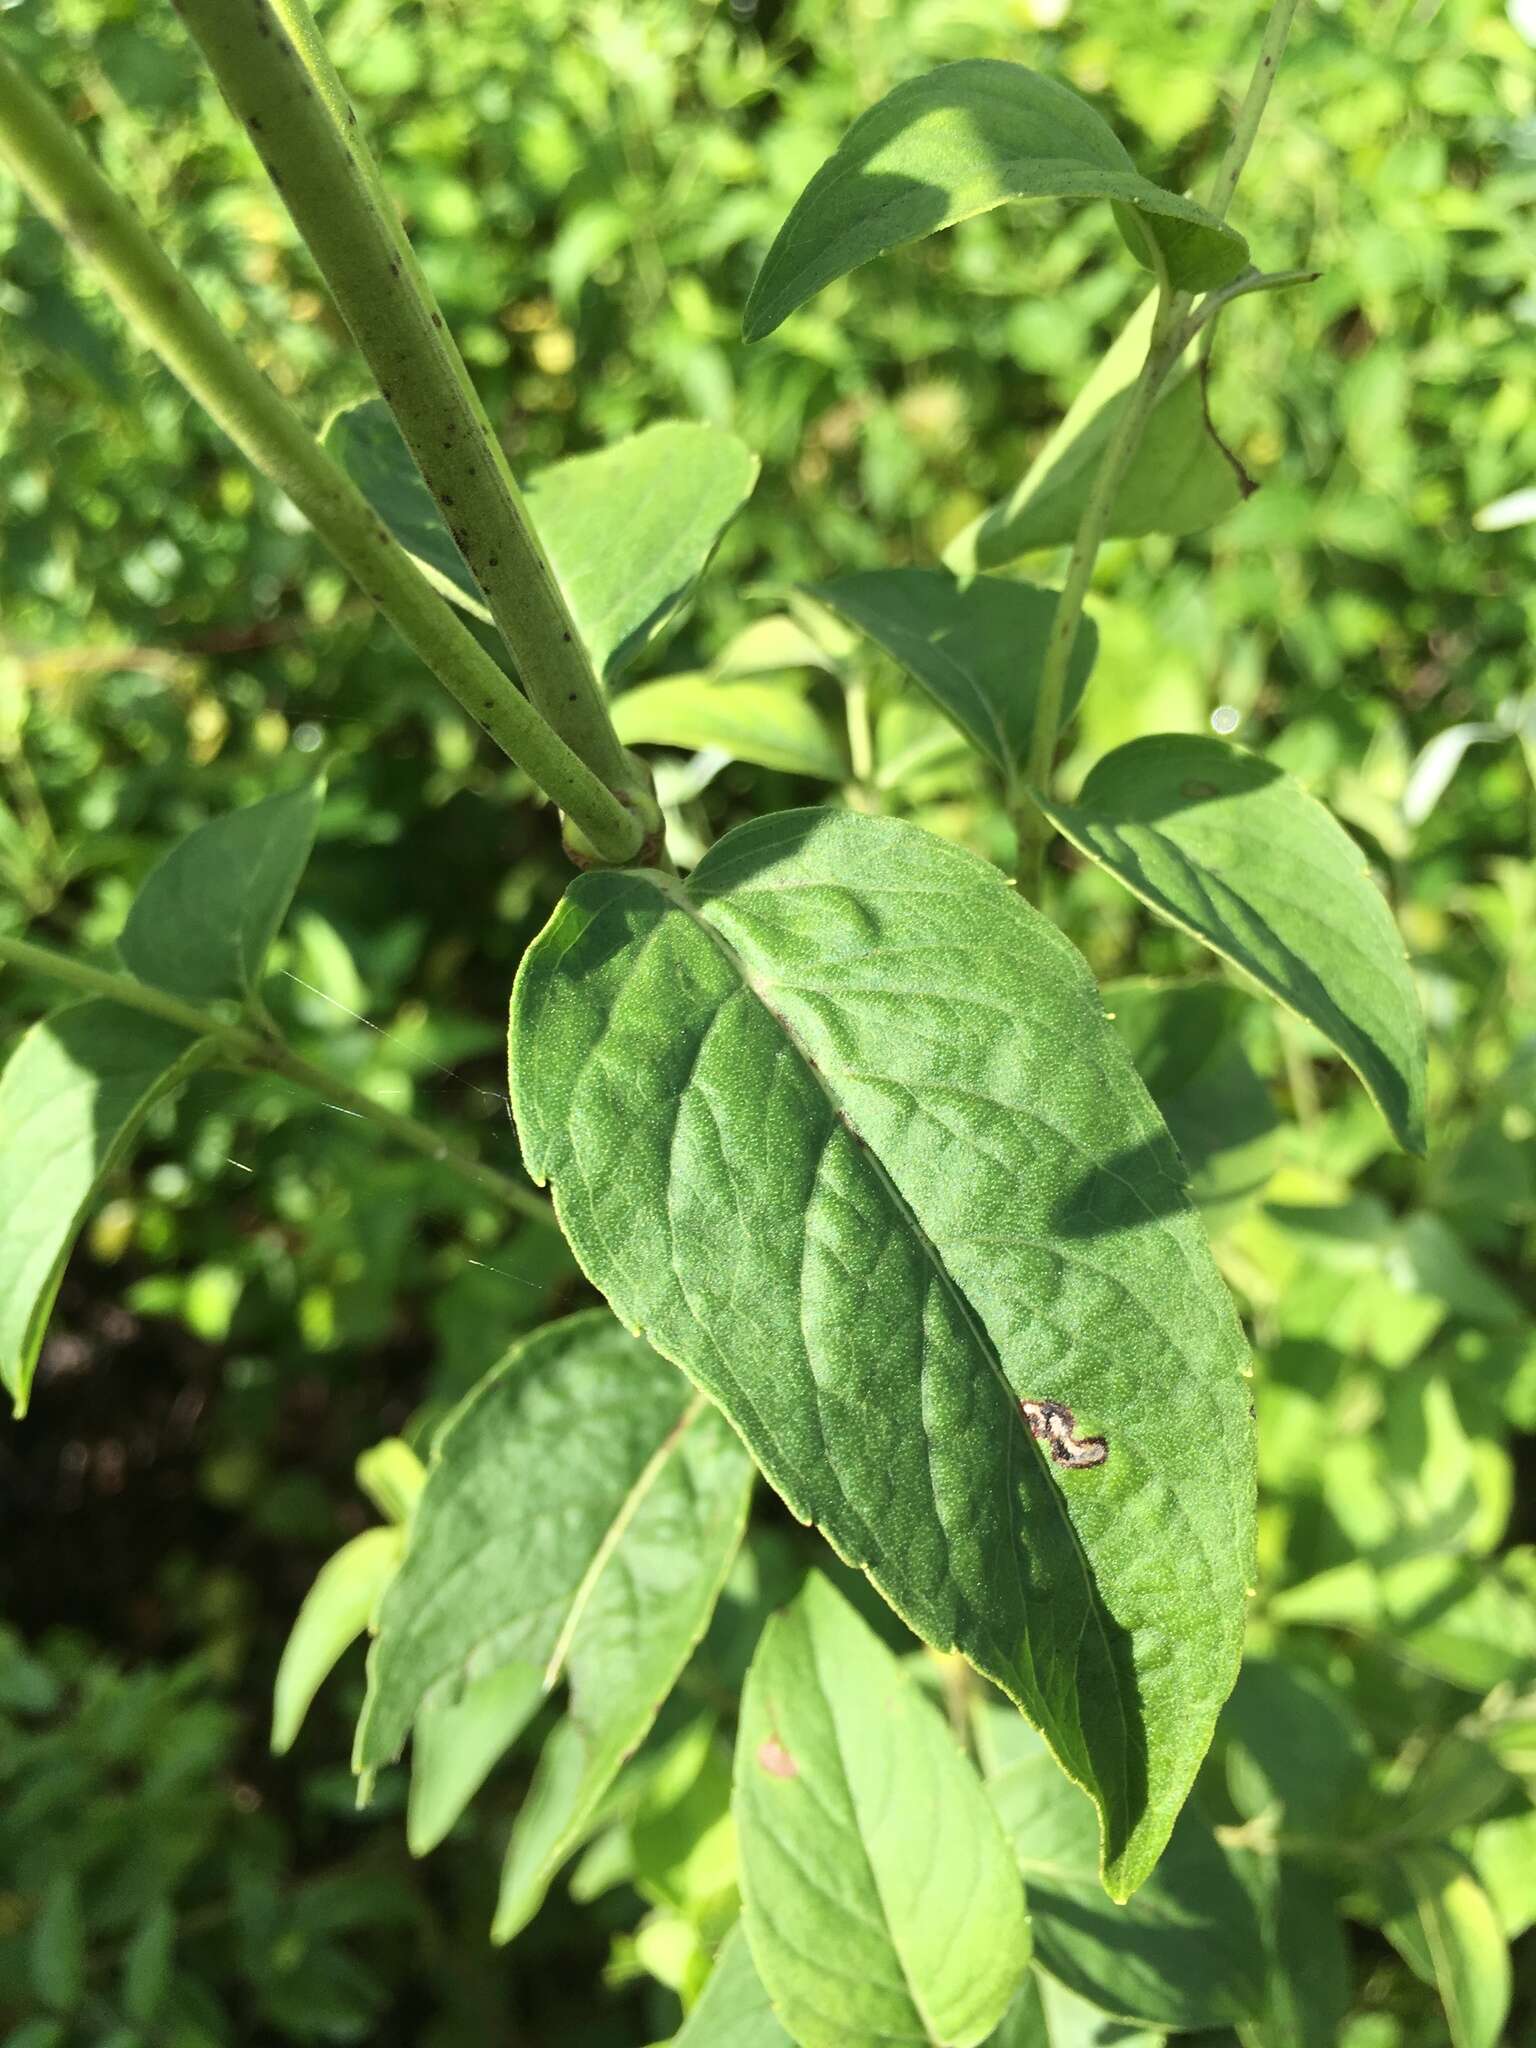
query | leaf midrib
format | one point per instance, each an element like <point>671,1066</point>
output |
<point>614,1534</point>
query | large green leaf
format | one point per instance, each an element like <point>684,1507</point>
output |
<point>843,1129</point>
<point>734,2011</point>
<point>1443,1924</point>
<point>1186,1952</point>
<point>976,648</point>
<point>580,1513</point>
<point>72,1098</point>
<point>878,1892</point>
<point>959,141</point>
<point>629,529</point>
<point>1235,851</point>
<point>201,925</point>
<point>771,724</point>
<point>1178,480</point>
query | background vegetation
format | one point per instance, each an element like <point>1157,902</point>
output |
<point>591,187</point>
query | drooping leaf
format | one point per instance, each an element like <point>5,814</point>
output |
<point>734,2011</point>
<point>629,529</point>
<point>1184,1038</point>
<point>976,648</point>
<point>580,1513</point>
<point>73,1096</point>
<point>457,1743</point>
<point>1236,852</point>
<point>337,1609</point>
<point>878,1893</point>
<point>772,724</point>
<point>1186,1951</point>
<point>202,923</point>
<point>1442,1923</point>
<point>1178,480</point>
<point>843,1129</point>
<point>958,141</point>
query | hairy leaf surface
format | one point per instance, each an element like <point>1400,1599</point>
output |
<point>1238,853</point>
<point>958,141</point>
<point>879,1895</point>
<point>842,1128</point>
<point>72,1098</point>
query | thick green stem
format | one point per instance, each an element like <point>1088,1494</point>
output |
<point>158,304</point>
<point>1171,334</point>
<point>250,1052</point>
<point>273,71</point>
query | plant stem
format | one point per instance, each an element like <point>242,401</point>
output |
<point>1034,827</point>
<point>158,304</point>
<point>1246,127</point>
<point>273,71</point>
<point>249,1052</point>
<point>1171,333</point>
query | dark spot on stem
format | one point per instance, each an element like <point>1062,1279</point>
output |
<point>437,319</point>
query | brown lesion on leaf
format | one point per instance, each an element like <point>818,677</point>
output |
<point>776,1760</point>
<point>1053,1424</point>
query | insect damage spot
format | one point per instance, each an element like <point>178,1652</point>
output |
<point>1053,1424</point>
<point>776,1760</point>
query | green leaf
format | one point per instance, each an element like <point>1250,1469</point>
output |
<point>147,1962</point>
<point>73,1096</point>
<point>1440,1920</point>
<point>959,141</point>
<point>457,1743</point>
<point>879,1897</point>
<point>1236,852</point>
<point>628,530</point>
<point>392,1476</point>
<point>57,1945</point>
<point>1185,1953</point>
<point>1178,480</point>
<point>580,1513</point>
<point>771,724</point>
<point>337,1609</point>
<point>1306,1957</point>
<point>976,648</point>
<point>201,925</point>
<point>734,2011</point>
<point>843,1129</point>
<point>1184,1038</point>
<point>1047,2015</point>
<point>631,529</point>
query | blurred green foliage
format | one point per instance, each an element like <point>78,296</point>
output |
<point>591,186</point>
